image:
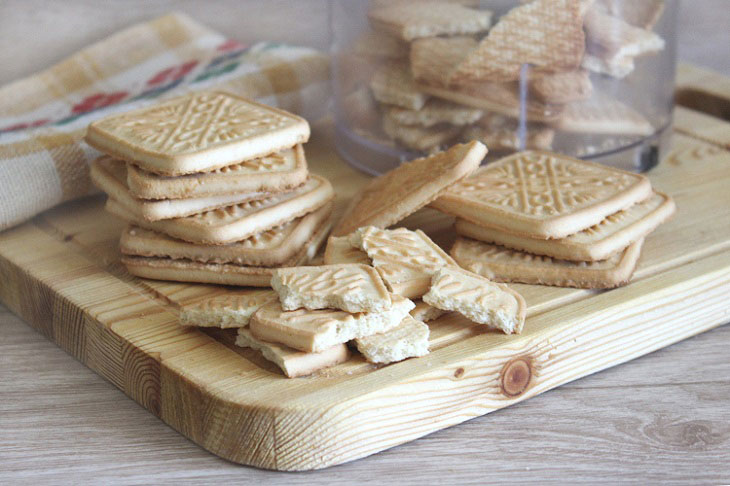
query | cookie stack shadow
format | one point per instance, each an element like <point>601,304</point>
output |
<point>214,188</point>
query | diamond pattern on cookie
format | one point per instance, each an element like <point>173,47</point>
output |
<point>547,34</point>
<point>197,132</point>
<point>542,194</point>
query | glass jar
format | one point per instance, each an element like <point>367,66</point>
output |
<point>589,78</point>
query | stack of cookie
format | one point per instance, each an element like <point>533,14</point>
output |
<point>544,218</point>
<point>442,71</point>
<point>215,189</point>
<point>362,294</point>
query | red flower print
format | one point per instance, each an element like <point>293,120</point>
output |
<point>230,45</point>
<point>172,74</point>
<point>98,100</point>
<point>23,126</point>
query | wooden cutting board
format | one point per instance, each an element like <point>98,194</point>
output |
<point>61,273</point>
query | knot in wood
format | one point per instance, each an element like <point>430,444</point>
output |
<point>515,376</point>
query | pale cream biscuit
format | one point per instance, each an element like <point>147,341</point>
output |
<point>230,310</point>
<point>599,242</point>
<point>339,250</point>
<point>562,87</point>
<point>424,312</point>
<point>349,287</point>
<point>405,259</point>
<point>478,299</point>
<point>292,362</point>
<point>548,34</point>
<point>392,84</point>
<point>504,265</point>
<point>434,112</point>
<point>277,172</point>
<point>507,137</point>
<point>270,248</point>
<point>435,59</point>
<point>410,21</point>
<point>238,222</point>
<point>602,114</point>
<point>110,175</point>
<point>643,14</point>
<point>613,39</point>
<point>385,3</point>
<point>380,45</point>
<point>409,339</point>
<point>616,67</point>
<point>402,191</point>
<point>417,138</point>
<point>183,270</point>
<point>197,132</point>
<point>542,194</point>
<point>501,98</point>
<point>317,330</point>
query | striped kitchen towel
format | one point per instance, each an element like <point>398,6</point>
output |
<point>43,159</point>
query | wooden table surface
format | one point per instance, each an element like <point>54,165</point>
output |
<point>664,417</point>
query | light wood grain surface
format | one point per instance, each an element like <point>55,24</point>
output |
<point>662,418</point>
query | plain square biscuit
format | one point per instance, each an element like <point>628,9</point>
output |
<point>238,222</point>
<point>409,339</point>
<point>599,242</point>
<point>405,259</point>
<point>349,287</point>
<point>270,248</point>
<point>317,330</point>
<point>197,132</point>
<point>402,191</point>
<point>292,362</point>
<point>504,265</point>
<point>230,310</point>
<point>411,20</point>
<point>277,172</point>
<point>477,298</point>
<point>542,194</point>
<point>110,175</point>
